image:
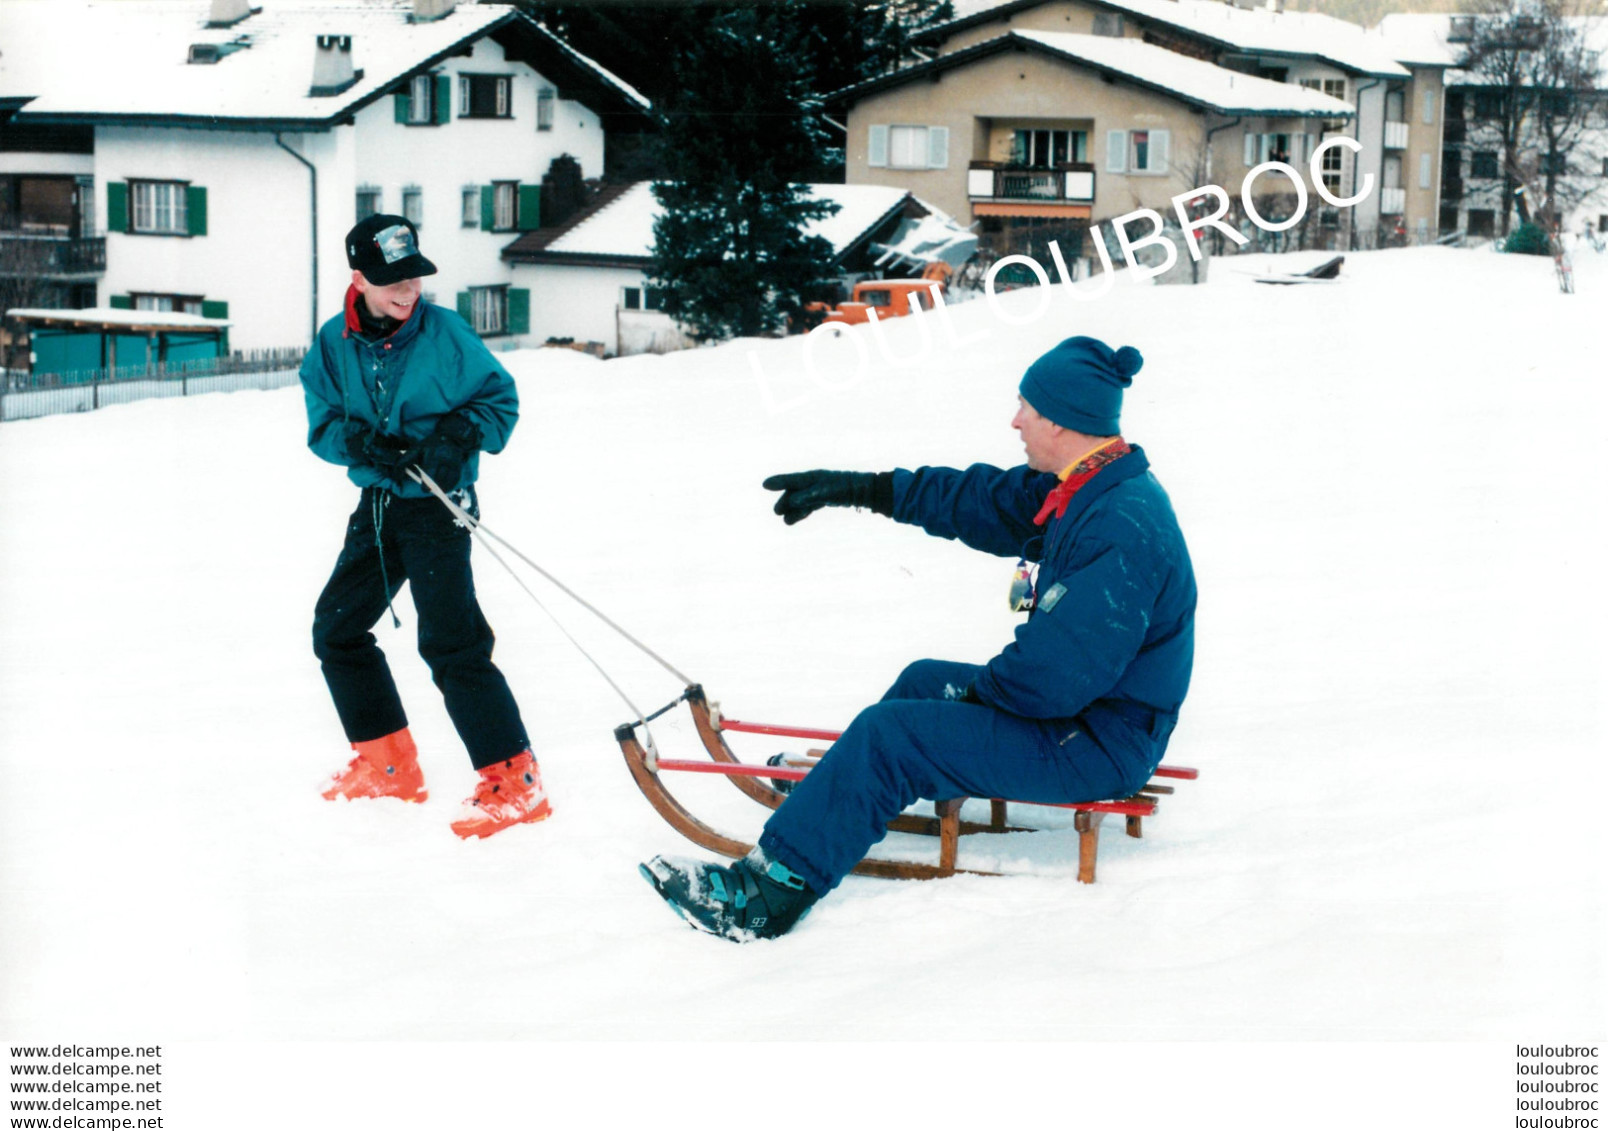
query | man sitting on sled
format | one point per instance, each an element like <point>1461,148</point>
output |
<point>1079,707</point>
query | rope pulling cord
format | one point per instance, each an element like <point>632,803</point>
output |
<point>486,535</point>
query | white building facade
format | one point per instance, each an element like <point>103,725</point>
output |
<point>452,120</point>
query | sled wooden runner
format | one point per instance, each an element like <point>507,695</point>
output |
<point>753,781</point>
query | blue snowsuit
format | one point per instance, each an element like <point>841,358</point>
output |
<point>1079,707</point>
<point>402,384</point>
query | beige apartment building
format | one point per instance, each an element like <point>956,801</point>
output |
<point>1035,136</point>
<point>1397,103</point>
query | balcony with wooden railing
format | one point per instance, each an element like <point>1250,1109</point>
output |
<point>1000,182</point>
<point>1392,201</point>
<point>51,257</point>
<point>1396,135</point>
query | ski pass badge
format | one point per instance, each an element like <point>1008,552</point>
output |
<point>1022,582</point>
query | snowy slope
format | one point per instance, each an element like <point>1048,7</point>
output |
<point>1392,492</point>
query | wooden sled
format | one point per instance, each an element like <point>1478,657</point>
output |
<point>946,824</point>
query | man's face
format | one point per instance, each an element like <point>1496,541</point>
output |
<point>1038,437</point>
<point>394,301</point>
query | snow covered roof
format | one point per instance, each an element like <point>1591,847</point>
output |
<point>1416,37</point>
<point>1427,36</point>
<point>623,229</point>
<point>1259,30</point>
<point>99,317</point>
<point>1193,81</point>
<point>129,59</point>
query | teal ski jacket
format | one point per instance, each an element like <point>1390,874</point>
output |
<point>431,365</point>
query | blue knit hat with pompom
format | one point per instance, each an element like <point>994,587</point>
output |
<point>1079,384</point>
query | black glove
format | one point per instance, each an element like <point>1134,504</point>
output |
<point>804,492</point>
<point>443,452</point>
<point>385,453</point>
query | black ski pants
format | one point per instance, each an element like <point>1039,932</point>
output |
<point>390,540</point>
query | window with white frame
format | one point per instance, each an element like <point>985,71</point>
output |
<point>489,309</point>
<point>368,201</point>
<point>1147,151</point>
<point>161,207</point>
<point>1333,169</point>
<point>484,96</point>
<point>421,99</point>
<point>908,147</point>
<point>1045,149</point>
<point>1288,148</point>
<point>504,205</point>
<point>178,304</point>
<point>545,98</point>
<point>641,298</point>
<point>413,204</point>
<point>471,207</point>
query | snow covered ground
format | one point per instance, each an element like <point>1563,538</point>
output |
<point>1392,488</point>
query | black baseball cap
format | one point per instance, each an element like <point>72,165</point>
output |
<point>386,249</point>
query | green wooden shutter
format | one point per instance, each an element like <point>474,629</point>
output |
<point>214,309</point>
<point>518,310</point>
<point>466,308</point>
<point>116,206</point>
<point>121,302</point>
<point>530,207</point>
<point>403,105</point>
<point>443,95</point>
<point>488,208</point>
<point>195,205</point>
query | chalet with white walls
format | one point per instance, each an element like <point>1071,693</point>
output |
<point>214,152</point>
<point>588,279</point>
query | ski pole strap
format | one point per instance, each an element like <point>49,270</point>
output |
<point>418,475</point>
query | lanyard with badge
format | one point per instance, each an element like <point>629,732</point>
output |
<point>1024,582</point>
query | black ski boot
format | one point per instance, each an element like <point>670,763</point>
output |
<point>780,785</point>
<point>754,898</point>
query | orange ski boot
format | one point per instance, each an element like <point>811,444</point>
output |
<point>509,793</point>
<point>384,767</point>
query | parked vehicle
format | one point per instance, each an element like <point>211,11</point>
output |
<point>890,298</point>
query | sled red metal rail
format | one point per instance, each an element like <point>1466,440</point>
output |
<point>946,824</point>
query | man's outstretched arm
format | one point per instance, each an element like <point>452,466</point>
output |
<point>805,492</point>
<point>986,508</point>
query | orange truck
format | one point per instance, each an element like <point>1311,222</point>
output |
<point>890,298</point>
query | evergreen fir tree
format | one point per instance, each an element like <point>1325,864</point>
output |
<point>730,253</point>
<point>846,41</point>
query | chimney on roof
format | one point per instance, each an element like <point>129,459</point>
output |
<point>225,13</point>
<point>426,10</point>
<point>332,66</point>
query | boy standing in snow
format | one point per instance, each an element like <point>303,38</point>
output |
<point>1078,708</point>
<point>395,384</point>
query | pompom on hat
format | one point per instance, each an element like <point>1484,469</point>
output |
<point>1079,384</point>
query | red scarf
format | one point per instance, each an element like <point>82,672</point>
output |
<point>1074,477</point>
<point>354,324</point>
